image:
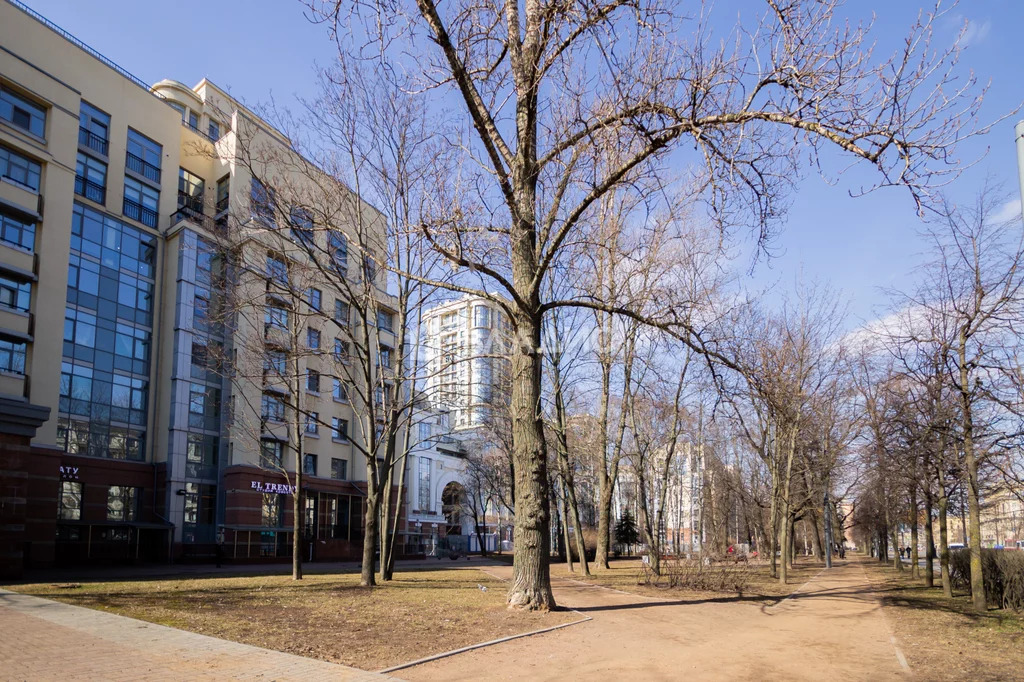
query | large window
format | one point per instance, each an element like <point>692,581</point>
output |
<point>313,339</point>
<point>271,454</point>
<point>309,465</point>
<point>341,350</point>
<point>275,362</point>
<point>302,226</point>
<point>339,429</point>
<point>201,456</point>
<point>123,503</point>
<point>22,112</point>
<point>272,408</point>
<point>275,317</point>
<point>91,178</point>
<point>342,312</point>
<point>385,320</point>
<point>481,316</point>
<point>313,297</point>
<point>18,231</point>
<point>144,156</point>
<point>313,381</point>
<point>339,469</point>
<point>423,485</point>
<point>277,270</point>
<point>200,513</point>
<point>141,202</point>
<point>190,191</point>
<point>262,199</point>
<point>223,193</point>
<point>12,356</point>
<point>93,128</point>
<point>340,391</point>
<point>313,423</point>
<point>213,132</point>
<point>14,293</point>
<point>69,506</point>
<point>272,511</point>
<point>339,251</point>
<point>19,169</point>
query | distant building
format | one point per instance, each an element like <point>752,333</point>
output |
<point>467,342</point>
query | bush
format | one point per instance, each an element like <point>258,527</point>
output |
<point>1003,571</point>
<point>695,574</point>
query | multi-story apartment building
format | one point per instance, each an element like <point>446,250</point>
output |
<point>115,198</point>
<point>467,342</point>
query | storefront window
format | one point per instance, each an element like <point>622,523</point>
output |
<point>70,502</point>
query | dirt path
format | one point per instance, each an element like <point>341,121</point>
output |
<point>832,627</point>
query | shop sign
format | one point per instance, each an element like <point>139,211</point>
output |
<point>69,473</point>
<point>279,488</point>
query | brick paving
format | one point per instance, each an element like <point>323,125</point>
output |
<point>42,639</point>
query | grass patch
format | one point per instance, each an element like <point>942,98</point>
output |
<point>324,616</point>
<point>944,638</point>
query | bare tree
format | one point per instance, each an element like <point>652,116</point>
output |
<point>546,88</point>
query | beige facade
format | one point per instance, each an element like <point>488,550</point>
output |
<point>119,202</point>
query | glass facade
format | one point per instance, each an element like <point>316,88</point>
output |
<point>19,169</point>
<point>107,333</point>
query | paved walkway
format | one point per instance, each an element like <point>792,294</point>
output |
<point>42,639</point>
<point>833,628</point>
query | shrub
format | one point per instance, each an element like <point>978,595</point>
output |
<point>1003,573</point>
<point>695,574</point>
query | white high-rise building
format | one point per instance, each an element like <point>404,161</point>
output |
<point>467,342</point>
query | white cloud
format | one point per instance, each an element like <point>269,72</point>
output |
<point>976,32</point>
<point>1008,211</point>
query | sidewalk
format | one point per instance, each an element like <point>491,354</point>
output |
<point>47,640</point>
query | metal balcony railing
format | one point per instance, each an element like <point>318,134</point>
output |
<point>197,131</point>
<point>142,167</point>
<point>186,213</point>
<point>223,203</point>
<point>90,190</point>
<point>89,139</point>
<point>138,212</point>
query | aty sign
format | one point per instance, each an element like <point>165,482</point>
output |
<point>273,487</point>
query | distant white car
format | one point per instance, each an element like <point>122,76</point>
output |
<point>956,545</point>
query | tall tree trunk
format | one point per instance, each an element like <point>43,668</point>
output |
<point>915,570</point>
<point>531,579</point>
<point>564,522</point>
<point>973,509</point>
<point>786,511</point>
<point>947,584</point>
<point>367,576</point>
<point>581,544</point>
<point>929,538</point>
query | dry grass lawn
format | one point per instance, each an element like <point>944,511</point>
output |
<point>624,574</point>
<point>943,639</point>
<point>325,616</point>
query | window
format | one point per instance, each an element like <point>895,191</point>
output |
<point>342,312</point>
<point>341,350</point>
<point>223,193</point>
<point>91,178</point>
<point>385,356</point>
<point>15,294</point>
<point>144,156</point>
<point>201,456</point>
<point>272,408</point>
<point>214,130</point>
<point>302,225</point>
<point>313,423</point>
<point>449,320</point>
<point>197,399</point>
<point>424,431</point>
<point>385,320</point>
<point>309,465</point>
<point>18,231</point>
<point>276,317</point>
<point>270,453</point>
<point>262,199</point>
<point>369,269</point>
<point>277,270</point>
<point>19,169</point>
<point>338,248</point>
<point>481,316</point>
<point>272,510</point>
<point>190,191</point>
<point>12,356</point>
<point>313,339</point>
<point>200,513</point>
<point>339,469</point>
<point>193,120</point>
<point>123,503</point>
<point>423,485</point>
<point>70,503</point>
<point>180,108</point>
<point>339,429</point>
<point>141,202</point>
<point>93,128</point>
<point>274,362</point>
<point>313,381</point>
<point>340,391</point>
<point>313,297</point>
<point>21,112</point>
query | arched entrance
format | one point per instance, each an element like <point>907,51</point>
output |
<point>452,498</point>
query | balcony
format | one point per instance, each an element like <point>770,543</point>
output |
<point>188,214</point>
<point>142,167</point>
<point>139,213</point>
<point>90,190</point>
<point>197,131</point>
<point>87,138</point>
<point>223,203</point>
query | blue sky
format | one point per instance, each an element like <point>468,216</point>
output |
<point>259,49</point>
